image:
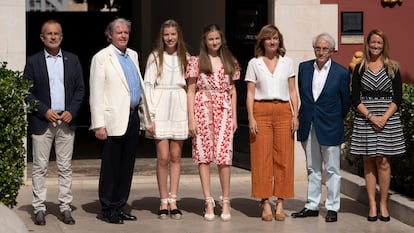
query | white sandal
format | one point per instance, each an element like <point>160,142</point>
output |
<point>209,216</point>
<point>225,201</point>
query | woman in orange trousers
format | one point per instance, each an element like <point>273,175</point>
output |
<point>272,106</point>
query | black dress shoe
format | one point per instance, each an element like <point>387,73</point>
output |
<point>384,219</point>
<point>113,218</point>
<point>67,217</point>
<point>372,218</point>
<point>127,217</point>
<point>331,216</point>
<point>305,213</point>
<point>40,218</point>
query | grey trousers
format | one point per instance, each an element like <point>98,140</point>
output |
<point>328,156</point>
<point>63,137</point>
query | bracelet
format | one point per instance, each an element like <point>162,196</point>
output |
<point>369,115</point>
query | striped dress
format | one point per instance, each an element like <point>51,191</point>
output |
<point>376,94</point>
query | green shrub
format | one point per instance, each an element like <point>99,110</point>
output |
<point>402,168</point>
<point>13,129</point>
<point>402,179</point>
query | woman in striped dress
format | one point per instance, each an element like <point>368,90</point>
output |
<point>377,132</point>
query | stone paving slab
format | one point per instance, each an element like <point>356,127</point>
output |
<point>144,203</point>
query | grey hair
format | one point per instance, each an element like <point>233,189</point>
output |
<point>326,37</point>
<point>110,28</point>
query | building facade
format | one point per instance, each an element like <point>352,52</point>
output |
<point>299,20</point>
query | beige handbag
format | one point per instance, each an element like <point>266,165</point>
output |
<point>143,114</point>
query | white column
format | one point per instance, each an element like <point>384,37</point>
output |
<point>300,21</point>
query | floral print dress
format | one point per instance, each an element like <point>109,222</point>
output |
<point>213,115</point>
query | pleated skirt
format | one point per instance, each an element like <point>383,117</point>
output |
<point>367,141</point>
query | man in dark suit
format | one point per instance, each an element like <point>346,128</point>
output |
<point>57,92</point>
<point>325,100</point>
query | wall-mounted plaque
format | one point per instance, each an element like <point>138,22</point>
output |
<point>352,23</point>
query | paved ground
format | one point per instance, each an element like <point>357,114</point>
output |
<point>143,203</point>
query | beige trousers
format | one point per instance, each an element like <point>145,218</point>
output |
<point>63,137</point>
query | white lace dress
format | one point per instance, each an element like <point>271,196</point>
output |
<point>167,98</point>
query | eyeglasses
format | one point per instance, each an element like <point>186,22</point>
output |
<point>324,50</point>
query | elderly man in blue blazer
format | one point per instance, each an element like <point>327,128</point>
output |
<point>58,90</point>
<point>325,100</point>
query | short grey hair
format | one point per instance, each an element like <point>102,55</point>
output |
<point>110,28</point>
<point>326,37</point>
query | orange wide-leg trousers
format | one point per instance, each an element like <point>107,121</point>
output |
<point>272,151</point>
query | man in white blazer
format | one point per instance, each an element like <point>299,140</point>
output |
<point>116,94</point>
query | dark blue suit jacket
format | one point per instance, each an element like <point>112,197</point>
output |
<point>327,113</point>
<point>36,71</point>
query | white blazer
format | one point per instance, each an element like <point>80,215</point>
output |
<point>109,93</point>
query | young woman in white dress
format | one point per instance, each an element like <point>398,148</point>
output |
<point>165,88</point>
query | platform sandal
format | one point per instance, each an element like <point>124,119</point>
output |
<point>163,213</point>
<point>209,216</point>
<point>279,216</point>
<point>225,201</point>
<point>174,213</point>
<point>266,216</point>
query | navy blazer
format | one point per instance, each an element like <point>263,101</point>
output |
<point>326,115</point>
<point>36,71</point>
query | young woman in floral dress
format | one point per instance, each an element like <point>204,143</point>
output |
<point>212,116</point>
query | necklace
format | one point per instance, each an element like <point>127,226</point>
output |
<point>375,66</point>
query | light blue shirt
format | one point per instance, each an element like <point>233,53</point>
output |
<point>132,77</point>
<point>56,81</point>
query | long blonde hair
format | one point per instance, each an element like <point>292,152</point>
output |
<point>391,65</point>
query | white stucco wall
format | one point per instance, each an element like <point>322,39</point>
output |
<point>300,21</point>
<point>13,33</point>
